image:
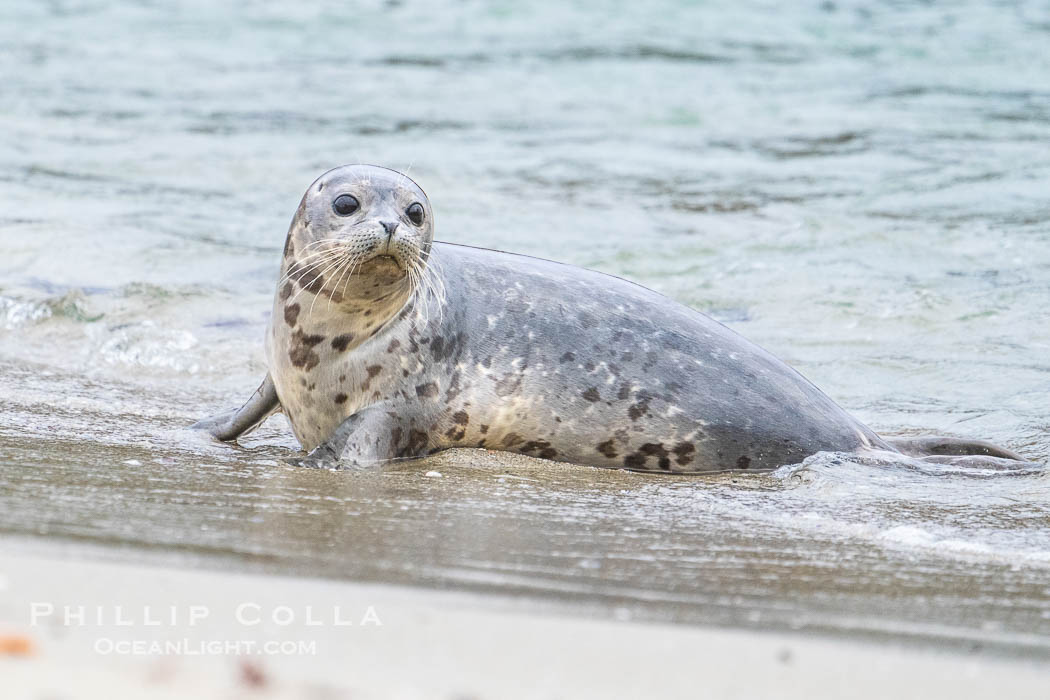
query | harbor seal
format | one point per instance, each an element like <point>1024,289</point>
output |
<point>385,344</point>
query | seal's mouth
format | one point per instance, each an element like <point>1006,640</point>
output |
<point>388,259</point>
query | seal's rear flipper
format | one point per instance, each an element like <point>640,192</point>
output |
<point>233,424</point>
<point>950,447</point>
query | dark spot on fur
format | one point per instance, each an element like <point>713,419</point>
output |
<point>684,453</point>
<point>589,366</point>
<point>373,370</point>
<point>567,357</point>
<point>427,391</point>
<point>453,387</point>
<point>511,439</point>
<point>484,429</point>
<point>291,314</point>
<point>461,417</point>
<point>607,448</point>
<point>447,348</point>
<point>634,460</point>
<point>639,409</point>
<point>743,463</point>
<point>417,440</point>
<point>592,395</point>
<point>301,351</point>
<point>542,448</point>
<point>638,459</point>
<point>340,342</point>
<point>625,391</point>
<point>311,280</point>
<point>289,247</point>
<point>286,291</point>
<point>534,446</point>
<point>394,345</point>
<point>340,398</point>
<point>508,385</point>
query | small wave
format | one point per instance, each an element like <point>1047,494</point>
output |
<point>145,345</point>
<point>15,312</point>
<point>971,513</point>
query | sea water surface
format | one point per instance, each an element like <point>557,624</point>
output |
<point>862,188</point>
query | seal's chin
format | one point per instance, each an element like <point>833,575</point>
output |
<point>385,268</point>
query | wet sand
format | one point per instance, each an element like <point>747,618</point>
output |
<point>396,642</point>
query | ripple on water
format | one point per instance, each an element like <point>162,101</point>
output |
<point>994,515</point>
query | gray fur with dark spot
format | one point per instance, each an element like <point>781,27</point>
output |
<point>515,353</point>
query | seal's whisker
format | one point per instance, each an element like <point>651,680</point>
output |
<point>432,284</point>
<point>404,175</point>
<point>300,259</point>
<point>347,262</point>
<point>322,241</point>
<point>349,275</point>
<point>417,286</point>
<point>355,261</point>
<point>324,283</point>
<point>297,268</point>
<point>437,277</point>
<point>427,286</point>
<point>413,277</point>
<point>313,268</point>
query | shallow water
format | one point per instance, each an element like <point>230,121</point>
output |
<point>861,189</point>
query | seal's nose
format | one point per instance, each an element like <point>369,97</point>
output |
<point>390,227</point>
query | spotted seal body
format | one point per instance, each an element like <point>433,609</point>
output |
<point>384,344</point>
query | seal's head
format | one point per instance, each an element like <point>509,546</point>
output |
<point>360,230</point>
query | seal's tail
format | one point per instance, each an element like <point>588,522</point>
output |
<point>951,447</point>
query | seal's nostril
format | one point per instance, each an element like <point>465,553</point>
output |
<point>390,227</point>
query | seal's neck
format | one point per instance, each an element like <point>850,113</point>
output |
<point>353,309</point>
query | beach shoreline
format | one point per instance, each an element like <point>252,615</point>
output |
<point>92,629</point>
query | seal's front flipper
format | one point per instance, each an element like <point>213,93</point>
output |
<point>951,447</point>
<point>232,424</point>
<point>368,439</point>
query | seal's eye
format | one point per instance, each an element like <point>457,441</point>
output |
<point>415,213</point>
<point>345,205</point>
